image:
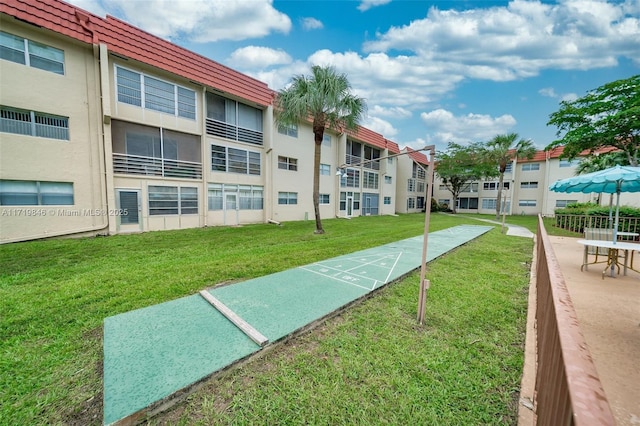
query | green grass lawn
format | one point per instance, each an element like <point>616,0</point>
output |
<point>370,364</point>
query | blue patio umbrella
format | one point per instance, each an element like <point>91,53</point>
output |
<point>613,180</point>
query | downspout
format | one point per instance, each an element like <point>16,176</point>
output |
<point>84,20</point>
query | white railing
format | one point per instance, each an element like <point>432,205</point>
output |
<point>151,166</point>
<point>359,161</point>
<point>230,131</point>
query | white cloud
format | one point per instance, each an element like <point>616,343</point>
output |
<point>258,57</point>
<point>521,39</point>
<point>569,97</point>
<point>381,126</point>
<point>443,126</point>
<point>391,112</point>
<point>311,24</point>
<point>198,20</point>
<point>548,92</point>
<point>368,4</point>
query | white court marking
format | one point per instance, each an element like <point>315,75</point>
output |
<point>349,270</point>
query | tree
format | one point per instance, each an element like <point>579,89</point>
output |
<point>325,98</point>
<point>501,150</point>
<point>608,116</point>
<point>459,165</point>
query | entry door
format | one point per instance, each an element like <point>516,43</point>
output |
<point>349,206</point>
<point>231,209</point>
<point>129,210</point>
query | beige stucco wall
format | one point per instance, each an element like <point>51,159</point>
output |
<point>78,160</point>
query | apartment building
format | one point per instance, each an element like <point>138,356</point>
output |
<point>107,129</point>
<point>526,188</point>
<point>412,182</point>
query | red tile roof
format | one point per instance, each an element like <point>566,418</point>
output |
<point>131,42</point>
<point>417,156</point>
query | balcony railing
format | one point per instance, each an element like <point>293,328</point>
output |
<point>151,166</point>
<point>230,131</point>
<point>359,161</point>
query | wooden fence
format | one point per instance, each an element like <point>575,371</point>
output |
<point>567,388</point>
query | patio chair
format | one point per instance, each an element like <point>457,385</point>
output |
<point>603,234</point>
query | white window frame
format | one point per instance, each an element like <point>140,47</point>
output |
<point>324,199</point>
<point>290,130</point>
<point>287,163</point>
<point>287,198</point>
<point>527,203</point>
<point>148,93</point>
<point>34,54</point>
<point>529,185</point>
<point>185,204</point>
<point>220,164</point>
<point>40,193</point>
<point>530,167</point>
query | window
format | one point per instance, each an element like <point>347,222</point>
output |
<point>420,186</point>
<point>30,53</point>
<point>325,169</point>
<point>286,163</point>
<point>442,187</point>
<point>411,203</point>
<point>509,167</point>
<point>389,160</point>
<point>469,187</point>
<point>170,200</point>
<point>492,186</point>
<point>153,151</point>
<point>565,203</point>
<point>567,163</point>
<point>468,203</point>
<point>288,129</point>
<point>489,203</point>
<point>411,185</point>
<point>326,140</point>
<point>530,167</point>
<point>528,185</point>
<point>387,179</point>
<point>444,201</point>
<point>420,202</point>
<point>324,198</point>
<point>351,179</point>
<point>35,193</point>
<point>369,180</point>
<point>139,89</point>
<point>287,198</point>
<point>527,203</point>
<point>250,197</point>
<point>387,200</point>
<point>229,119</point>
<point>233,160</point>
<point>33,123</point>
<point>418,171</point>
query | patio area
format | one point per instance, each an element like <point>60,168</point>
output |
<point>608,311</point>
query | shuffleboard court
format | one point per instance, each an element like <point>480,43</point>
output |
<point>154,353</point>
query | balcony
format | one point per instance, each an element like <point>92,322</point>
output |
<point>361,162</point>
<point>230,131</point>
<point>151,166</point>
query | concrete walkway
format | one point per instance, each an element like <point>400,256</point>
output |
<point>155,353</point>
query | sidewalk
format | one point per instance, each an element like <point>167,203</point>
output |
<point>608,311</point>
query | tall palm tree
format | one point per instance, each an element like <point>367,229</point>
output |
<point>502,149</point>
<point>325,98</point>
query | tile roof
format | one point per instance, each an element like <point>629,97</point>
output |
<point>417,156</point>
<point>133,43</point>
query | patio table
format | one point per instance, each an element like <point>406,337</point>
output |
<point>613,256</point>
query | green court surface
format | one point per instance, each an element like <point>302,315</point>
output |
<point>154,352</point>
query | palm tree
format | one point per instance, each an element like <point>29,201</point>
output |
<point>325,99</point>
<point>502,149</point>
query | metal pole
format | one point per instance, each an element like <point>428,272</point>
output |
<point>424,283</point>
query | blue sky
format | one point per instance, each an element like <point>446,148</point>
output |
<point>430,71</point>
